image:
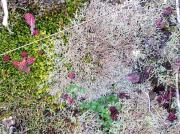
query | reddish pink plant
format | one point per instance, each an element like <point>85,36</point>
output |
<point>114,117</point>
<point>70,101</point>
<point>160,23</point>
<point>23,65</point>
<point>30,60</point>
<point>159,99</point>
<point>24,54</point>
<point>65,96</point>
<point>114,113</point>
<point>36,32</point>
<point>171,117</point>
<point>113,110</point>
<point>30,20</point>
<point>165,96</point>
<point>71,75</point>
<point>168,11</point>
<point>6,58</point>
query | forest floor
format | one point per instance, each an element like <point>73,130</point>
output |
<point>101,58</point>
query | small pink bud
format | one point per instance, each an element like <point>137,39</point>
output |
<point>171,117</point>
<point>6,58</point>
<point>24,54</point>
<point>113,110</point>
<point>159,99</point>
<point>30,60</point>
<point>160,23</point>
<point>71,75</point>
<point>70,101</point>
<point>114,113</point>
<point>35,32</point>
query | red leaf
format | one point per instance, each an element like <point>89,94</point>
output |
<point>30,20</point>
<point>26,69</point>
<point>171,117</point>
<point>16,64</point>
<point>160,23</point>
<point>6,58</point>
<point>35,32</point>
<point>113,110</point>
<point>22,66</point>
<point>70,101</point>
<point>114,117</point>
<point>19,65</point>
<point>71,75</point>
<point>30,60</point>
<point>24,54</point>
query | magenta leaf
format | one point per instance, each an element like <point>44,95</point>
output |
<point>24,54</point>
<point>168,11</point>
<point>114,112</point>
<point>23,65</point>
<point>19,65</point>
<point>30,60</point>
<point>159,99</point>
<point>35,32</point>
<point>30,20</point>
<point>6,58</point>
<point>71,75</point>
<point>133,77</point>
<point>160,23</point>
<point>114,117</point>
<point>70,101</point>
<point>171,117</point>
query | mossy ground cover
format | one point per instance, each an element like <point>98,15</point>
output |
<point>20,95</point>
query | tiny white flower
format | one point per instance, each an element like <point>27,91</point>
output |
<point>8,122</point>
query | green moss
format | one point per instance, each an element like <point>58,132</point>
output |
<point>20,91</point>
<point>87,58</point>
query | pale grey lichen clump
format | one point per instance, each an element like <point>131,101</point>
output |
<point>104,50</point>
<point>109,43</point>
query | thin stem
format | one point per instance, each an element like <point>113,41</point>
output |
<point>177,11</point>
<point>5,10</point>
<point>177,91</point>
